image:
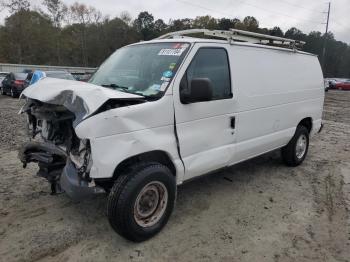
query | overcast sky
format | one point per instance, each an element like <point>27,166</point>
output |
<point>306,15</point>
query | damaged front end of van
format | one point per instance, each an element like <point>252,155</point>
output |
<point>63,158</point>
<point>53,112</point>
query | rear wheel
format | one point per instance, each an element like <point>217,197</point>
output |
<point>12,93</point>
<point>2,91</point>
<point>294,153</point>
<point>141,201</point>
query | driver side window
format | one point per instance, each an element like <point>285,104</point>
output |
<point>213,64</point>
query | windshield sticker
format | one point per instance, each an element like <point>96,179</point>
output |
<point>172,51</point>
<point>180,45</point>
<point>165,79</point>
<point>155,87</point>
<point>172,66</point>
<point>177,45</point>
<point>168,74</point>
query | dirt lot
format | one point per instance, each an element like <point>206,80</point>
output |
<point>257,211</point>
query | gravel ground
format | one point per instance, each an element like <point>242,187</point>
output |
<point>259,210</point>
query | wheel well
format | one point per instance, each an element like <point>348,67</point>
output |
<point>152,156</point>
<point>306,122</point>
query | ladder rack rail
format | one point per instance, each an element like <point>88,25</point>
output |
<point>233,35</point>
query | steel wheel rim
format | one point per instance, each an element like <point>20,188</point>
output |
<point>150,204</point>
<point>301,145</point>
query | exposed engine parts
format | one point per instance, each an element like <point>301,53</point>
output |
<point>53,143</point>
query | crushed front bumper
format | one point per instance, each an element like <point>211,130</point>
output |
<point>74,186</point>
<point>58,169</point>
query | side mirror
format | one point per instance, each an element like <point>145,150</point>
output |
<point>201,90</point>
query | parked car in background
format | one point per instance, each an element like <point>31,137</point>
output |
<point>336,83</point>
<point>13,84</point>
<point>326,85</point>
<point>59,74</point>
<point>37,75</point>
<point>2,77</point>
<point>344,85</point>
<point>28,79</point>
<point>27,71</point>
<point>331,82</point>
<point>82,77</point>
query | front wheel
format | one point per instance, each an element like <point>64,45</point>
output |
<point>141,201</point>
<point>294,153</point>
<point>2,91</point>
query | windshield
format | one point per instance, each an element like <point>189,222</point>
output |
<point>145,69</point>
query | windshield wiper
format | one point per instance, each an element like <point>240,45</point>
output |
<point>115,86</point>
<point>124,89</point>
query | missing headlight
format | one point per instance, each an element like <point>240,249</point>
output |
<point>81,157</point>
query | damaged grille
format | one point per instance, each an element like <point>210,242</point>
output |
<point>53,142</point>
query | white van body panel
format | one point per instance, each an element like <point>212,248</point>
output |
<point>274,91</point>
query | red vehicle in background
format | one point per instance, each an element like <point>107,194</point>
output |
<point>345,85</point>
<point>13,84</point>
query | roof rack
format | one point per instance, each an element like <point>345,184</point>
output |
<point>233,35</point>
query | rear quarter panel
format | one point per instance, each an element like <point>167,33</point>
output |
<point>275,90</point>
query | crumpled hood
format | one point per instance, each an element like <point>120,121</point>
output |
<point>82,99</point>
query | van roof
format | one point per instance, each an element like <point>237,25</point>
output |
<point>193,40</point>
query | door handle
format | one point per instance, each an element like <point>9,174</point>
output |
<point>233,122</point>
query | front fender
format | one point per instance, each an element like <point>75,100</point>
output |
<point>121,133</point>
<point>109,151</point>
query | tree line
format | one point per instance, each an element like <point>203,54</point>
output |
<point>80,35</point>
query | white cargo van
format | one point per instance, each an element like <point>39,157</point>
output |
<point>161,112</point>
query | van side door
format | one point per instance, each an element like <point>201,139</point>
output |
<point>205,129</point>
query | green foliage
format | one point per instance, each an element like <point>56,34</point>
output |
<point>144,24</point>
<point>180,24</point>
<point>87,38</point>
<point>26,34</point>
<point>276,31</point>
<point>207,22</point>
<point>251,24</point>
<point>295,33</point>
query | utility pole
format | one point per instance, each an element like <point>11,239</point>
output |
<point>325,38</point>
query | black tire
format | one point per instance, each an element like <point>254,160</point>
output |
<point>289,152</point>
<point>123,195</point>
<point>2,91</point>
